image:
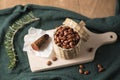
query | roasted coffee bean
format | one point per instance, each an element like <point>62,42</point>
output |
<point>70,30</point>
<point>86,72</point>
<point>72,34</point>
<point>90,49</point>
<point>73,39</point>
<point>57,33</point>
<point>66,42</point>
<point>69,36</point>
<point>59,29</point>
<point>55,36</point>
<point>59,44</point>
<point>55,41</point>
<point>100,69</point>
<point>70,40</point>
<point>54,58</point>
<point>66,36</point>
<point>65,33</point>
<point>80,71</point>
<point>62,41</point>
<point>77,37</point>
<point>64,47</point>
<point>99,66</point>
<point>68,46</point>
<point>71,44</point>
<point>60,37</point>
<point>63,29</point>
<point>61,33</point>
<point>81,66</point>
<point>63,38</point>
<point>58,40</point>
<point>49,63</point>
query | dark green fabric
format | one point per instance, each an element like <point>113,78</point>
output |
<point>108,55</point>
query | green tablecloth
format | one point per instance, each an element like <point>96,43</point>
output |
<point>108,55</point>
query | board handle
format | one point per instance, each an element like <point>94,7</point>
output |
<point>108,37</point>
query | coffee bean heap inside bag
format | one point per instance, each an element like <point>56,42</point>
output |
<point>66,37</point>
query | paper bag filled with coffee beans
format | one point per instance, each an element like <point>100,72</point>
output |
<point>68,38</point>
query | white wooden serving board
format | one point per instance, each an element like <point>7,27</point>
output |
<point>95,41</point>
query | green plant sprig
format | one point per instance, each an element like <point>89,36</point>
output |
<point>9,37</point>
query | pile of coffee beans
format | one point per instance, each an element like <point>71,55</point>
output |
<point>66,37</point>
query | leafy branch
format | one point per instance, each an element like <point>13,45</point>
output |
<point>9,37</point>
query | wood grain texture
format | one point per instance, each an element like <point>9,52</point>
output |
<point>89,8</point>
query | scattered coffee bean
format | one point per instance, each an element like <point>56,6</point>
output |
<point>86,72</point>
<point>54,58</point>
<point>49,63</point>
<point>99,66</point>
<point>100,69</point>
<point>90,49</point>
<point>80,71</point>
<point>81,66</point>
<point>66,37</point>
